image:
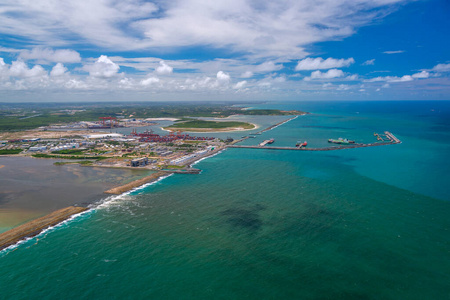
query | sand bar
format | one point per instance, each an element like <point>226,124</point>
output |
<point>34,227</point>
<point>129,186</point>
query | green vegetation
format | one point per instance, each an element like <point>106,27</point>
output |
<point>70,151</point>
<point>211,124</point>
<point>10,151</point>
<point>20,116</point>
<point>174,167</point>
<point>42,155</point>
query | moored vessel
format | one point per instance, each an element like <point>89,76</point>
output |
<point>340,141</point>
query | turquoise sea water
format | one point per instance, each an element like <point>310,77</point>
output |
<point>367,223</point>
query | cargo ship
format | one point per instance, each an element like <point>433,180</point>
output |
<point>300,144</point>
<point>341,141</point>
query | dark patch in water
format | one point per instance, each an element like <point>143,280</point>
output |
<point>244,218</point>
<point>327,127</point>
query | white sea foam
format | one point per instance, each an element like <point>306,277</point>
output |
<point>196,162</point>
<point>46,230</point>
<point>104,203</point>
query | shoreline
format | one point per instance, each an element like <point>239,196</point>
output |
<point>35,227</point>
<point>136,183</point>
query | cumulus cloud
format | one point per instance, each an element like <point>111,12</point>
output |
<point>164,69</point>
<point>333,73</point>
<point>47,55</point>
<point>343,87</point>
<point>268,66</point>
<point>319,63</point>
<point>369,62</point>
<point>102,68</point>
<point>404,78</point>
<point>240,84</point>
<point>247,74</point>
<point>423,74</point>
<point>20,69</point>
<point>149,81</point>
<point>394,52</point>
<point>441,68</point>
<point>58,70</point>
<point>222,78</point>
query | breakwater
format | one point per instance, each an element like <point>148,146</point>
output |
<point>261,131</point>
<point>134,184</point>
<point>392,140</point>
<point>34,227</point>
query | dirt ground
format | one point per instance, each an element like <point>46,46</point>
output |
<point>31,134</point>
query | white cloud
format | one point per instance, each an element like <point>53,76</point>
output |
<point>149,81</point>
<point>394,52</point>
<point>240,84</point>
<point>268,66</point>
<point>333,73</point>
<point>423,74</point>
<point>263,28</point>
<point>247,74</point>
<point>369,62</point>
<point>222,78</point>
<point>441,68</point>
<point>352,77</point>
<point>320,64</point>
<point>47,55</point>
<point>102,68</point>
<point>58,70</point>
<point>20,69</point>
<point>164,69</point>
<point>343,87</point>
<point>404,78</point>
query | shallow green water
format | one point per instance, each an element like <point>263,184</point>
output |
<point>260,224</point>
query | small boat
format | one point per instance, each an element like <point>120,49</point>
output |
<point>300,144</point>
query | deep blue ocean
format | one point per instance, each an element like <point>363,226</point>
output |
<point>365,223</point>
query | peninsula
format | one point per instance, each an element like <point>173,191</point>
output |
<point>210,126</point>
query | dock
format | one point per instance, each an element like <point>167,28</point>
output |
<point>391,140</point>
<point>35,227</point>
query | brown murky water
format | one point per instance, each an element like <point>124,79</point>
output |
<point>30,188</point>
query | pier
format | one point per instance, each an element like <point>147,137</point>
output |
<point>261,131</point>
<point>35,227</point>
<point>390,137</point>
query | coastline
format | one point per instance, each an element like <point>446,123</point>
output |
<point>35,227</point>
<point>134,184</point>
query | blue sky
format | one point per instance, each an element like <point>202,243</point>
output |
<point>224,50</point>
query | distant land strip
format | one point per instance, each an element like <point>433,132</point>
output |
<point>34,227</point>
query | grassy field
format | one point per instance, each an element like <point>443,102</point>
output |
<point>10,151</point>
<point>200,124</point>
